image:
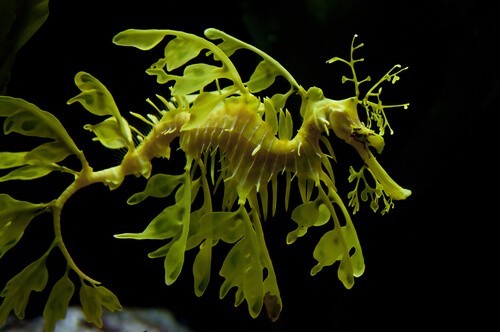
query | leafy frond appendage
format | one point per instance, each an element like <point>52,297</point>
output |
<point>374,193</point>
<point>375,111</point>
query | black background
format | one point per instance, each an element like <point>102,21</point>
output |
<point>422,259</point>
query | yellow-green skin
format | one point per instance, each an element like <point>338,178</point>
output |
<point>256,154</point>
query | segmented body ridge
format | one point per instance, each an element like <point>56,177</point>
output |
<point>253,154</point>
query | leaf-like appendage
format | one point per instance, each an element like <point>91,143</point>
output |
<point>329,250</point>
<point>159,185</point>
<point>285,129</point>
<point>108,133</point>
<point>164,226</point>
<point>196,77</point>
<point>58,302</point>
<point>242,269</point>
<point>209,227</point>
<point>30,172</point>
<point>336,245</point>
<point>14,218</point>
<point>375,193</point>
<point>201,268</point>
<point>271,117</point>
<point>27,119</point>
<point>12,159</point>
<point>279,100</point>
<point>96,99</point>
<point>263,77</point>
<point>179,51</point>
<point>173,222</point>
<point>48,153</point>
<point>142,39</point>
<point>174,258</point>
<point>307,215</point>
<point>93,299</point>
<point>225,226</point>
<point>27,123</point>
<point>17,291</point>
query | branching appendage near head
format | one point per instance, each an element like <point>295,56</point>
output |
<point>347,126</point>
<point>234,142</point>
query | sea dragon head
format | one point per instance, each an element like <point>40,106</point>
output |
<point>342,117</point>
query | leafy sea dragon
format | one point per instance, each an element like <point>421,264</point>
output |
<point>224,129</point>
